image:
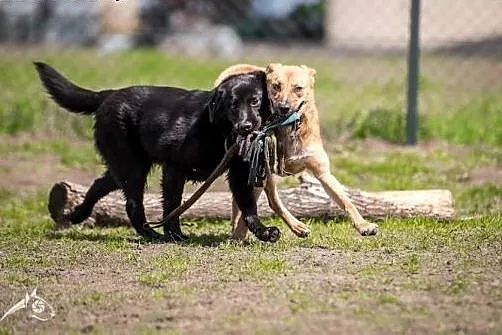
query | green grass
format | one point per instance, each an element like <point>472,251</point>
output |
<point>25,220</point>
<point>301,300</point>
<point>455,126</point>
<point>25,107</point>
<point>481,198</point>
<point>476,121</point>
<point>96,298</point>
<point>411,264</point>
<point>362,96</point>
<point>450,167</point>
<point>170,265</point>
<point>388,299</point>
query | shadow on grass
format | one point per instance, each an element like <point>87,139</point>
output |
<point>90,235</point>
<point>204,240</point>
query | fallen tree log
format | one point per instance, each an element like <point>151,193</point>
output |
<point>307,200</point>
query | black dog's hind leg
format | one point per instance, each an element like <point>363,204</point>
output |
<point>133,190</point>
<point>130,173</point>
<point>99,188</point>
<point>173,183</point>
<point>243,195</point>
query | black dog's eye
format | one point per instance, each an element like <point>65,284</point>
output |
<point>276,86</point>
<point>254,102</point>
<point>235,104</point>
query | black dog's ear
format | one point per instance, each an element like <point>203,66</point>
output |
<point>262,77</point>
<point>265,110</point>
<point>214,103</point>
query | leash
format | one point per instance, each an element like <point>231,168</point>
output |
<point>258,156</point>
<point>200,191</point>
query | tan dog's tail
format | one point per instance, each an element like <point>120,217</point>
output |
<point>236,69</point>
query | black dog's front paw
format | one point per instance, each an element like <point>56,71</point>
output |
<point>269,234</point>
<point>149,234</point>
<point>174,236</point>
<point>262,232</point>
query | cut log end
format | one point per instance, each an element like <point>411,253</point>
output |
<point>58,204</point>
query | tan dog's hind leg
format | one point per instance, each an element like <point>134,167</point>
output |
<point>275,203</point>
<point>320,167</point>
<point>239,228</point>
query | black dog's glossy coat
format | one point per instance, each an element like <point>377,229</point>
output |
<point>183,131</point>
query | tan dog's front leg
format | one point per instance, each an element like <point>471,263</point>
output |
<point>320,167</point>
<point>239,228</point>
<point>275,203</point>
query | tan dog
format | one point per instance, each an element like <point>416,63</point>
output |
<point>292,87</point>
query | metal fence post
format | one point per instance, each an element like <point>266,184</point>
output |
<point>413,70</point>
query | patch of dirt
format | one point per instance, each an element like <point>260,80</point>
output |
<point>374,144</point>
<point>30,174</point>
<point>328,291</point>
<point>485,175</point>
<point>379,145</point>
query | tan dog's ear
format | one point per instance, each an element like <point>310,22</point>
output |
<point>271,67</point>
<point>311,71</point>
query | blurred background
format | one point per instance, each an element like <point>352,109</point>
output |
<point>358,47</point>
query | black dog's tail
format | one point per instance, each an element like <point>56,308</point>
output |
<point>68,95</point>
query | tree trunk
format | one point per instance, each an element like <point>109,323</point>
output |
<point>304,201</point>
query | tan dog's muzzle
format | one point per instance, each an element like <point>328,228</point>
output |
<point>285,108</point>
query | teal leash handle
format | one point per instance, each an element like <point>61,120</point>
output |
<point>258,145</point>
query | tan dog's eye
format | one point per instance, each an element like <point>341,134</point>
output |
<point>276,87</point>
<point>298,89</point>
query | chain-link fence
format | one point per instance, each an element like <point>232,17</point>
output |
<point>358,47</point>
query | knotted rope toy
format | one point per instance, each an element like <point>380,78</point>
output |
<point>262,156</point>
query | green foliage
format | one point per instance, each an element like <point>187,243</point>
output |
<point>365,108</point>
<point>5,331</point>
<point>387,124</point>
<point>481,199</point>
<point>25,106</point>
<point>477,121</point>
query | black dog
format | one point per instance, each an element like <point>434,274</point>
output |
<point>183,131</point>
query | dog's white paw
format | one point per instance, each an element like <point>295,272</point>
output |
<point>368,228</point>
<point>300,229</point>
